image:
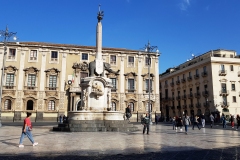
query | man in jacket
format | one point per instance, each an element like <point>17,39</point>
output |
<point>187,122</point>
<point>145,122</point>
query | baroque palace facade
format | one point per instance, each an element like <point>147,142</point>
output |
<point>45,78</point>
<point>209,83</point>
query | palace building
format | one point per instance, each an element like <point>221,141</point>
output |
<point>44,79</point>
<point>209,83</point>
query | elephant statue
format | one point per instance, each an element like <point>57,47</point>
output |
<point>106,66</point>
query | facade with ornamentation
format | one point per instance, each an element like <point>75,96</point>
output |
<point>44,79</point>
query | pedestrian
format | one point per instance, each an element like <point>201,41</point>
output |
<point>145,123</point>
<point>27,131</point>
<point>224,121</point>
<point>156,119</point>
<point>238,121</point>
<point>203,120</point>
<point>232,120</point>
<point>64,119</point>
<point>186,122</point>
<point>174,123</point>
<point>212,120</point>
<point>196,122</point>
<point>60,118</point>
<point>128,113</point>
<point>179,123</point>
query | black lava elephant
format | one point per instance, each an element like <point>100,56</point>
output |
<point>106,66</point>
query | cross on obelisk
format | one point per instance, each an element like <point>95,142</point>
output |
<point>99,60</point>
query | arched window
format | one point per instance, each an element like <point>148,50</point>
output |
<point>51,105</point>
<point>131,104</point>
<point>7,104</point>
<point>113,106</point>
<point>147,108</point>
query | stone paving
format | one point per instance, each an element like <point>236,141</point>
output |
<point>162,143</point>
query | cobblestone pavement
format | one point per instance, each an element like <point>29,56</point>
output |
<point>163,143</point>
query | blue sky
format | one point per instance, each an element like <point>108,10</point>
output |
<point>178,27</point>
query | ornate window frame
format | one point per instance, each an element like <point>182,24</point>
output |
<point>10,70</point>
<point>52,72</point>
<point>31,70</point>
<point>145,77</point>
<point>12,102</point>
<point>130,75</point>
<point>15,57</point>
<point>56,101</point>
<point>29,57</point>
<point>114,75</point>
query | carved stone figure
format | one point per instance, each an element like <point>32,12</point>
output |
<point>106,66</point>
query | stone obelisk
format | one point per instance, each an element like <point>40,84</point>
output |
<point>99,59</point>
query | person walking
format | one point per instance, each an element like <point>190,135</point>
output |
<point>212,120</point>
<point>238,121</point>
<point>179,123</point>
<point>128,113</point>
<point>186,122</point>
<point>232,121</point>
<point>156,119</point>
<point>203,120</point>
<point>145,123</point>
<point>26,131</point>
<point>224,121</point>
<point>174,123</point>
<point>196,122</point>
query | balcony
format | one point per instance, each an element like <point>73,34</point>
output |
<point>198,105</point>
<point>133,90</point>
<point>178,82</point>
<point>166,86</point>
<point>222,72</point>
<point>184,106</point>
<point>9,90</point>
<point>197,95</point>
<point>114,90</point>
<point>113,63</point>
<point>172,84</point>
<point>205,94</point>
<point>183,80</point>
<point>190,96</point>
<point>196,76</point>
<point>190,106</point>
<point>224,104</point>
<point>204,74</point>
<point>224,93</point>
<point>171,98</point>
<point>30,90</point>
<point>51,91</point>
<point>189,78</point>
<point>178,98</point>
<point>178,107</point>
<point>206,104</point>
<point>184,97</point>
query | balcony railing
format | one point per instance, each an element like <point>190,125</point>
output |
<point>190,96</point>
<point>206,104</point>
<point>183,80</point>
<point>113,63</point>
<point>197,95</point>
<point>131,90</point>
<point>184,106</point>
<point>178,107</point>
<point>172,84</point>
<point>30,87</point>
<point>172,98</point>
<point>184,96</point>
<point>190,105</point>
<point>204,74</point>
<point>196,76</point>
<point>114,90</point>
<point>198,105</point>
<point>178,82</point>
<point>222,72</point>
<point>131,64</point>
<point>223,92</point>
<point>205,93</point>
<point>9,86</point>
<point>178,97</point>
<point>189,78</point>
<point>224,104</point>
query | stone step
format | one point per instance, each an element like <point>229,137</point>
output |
<point>88,129</point>
<point>98,121</point>
<point>87,125</point>
<point>62,124</point>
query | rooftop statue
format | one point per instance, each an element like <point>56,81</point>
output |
<point>100,14</point>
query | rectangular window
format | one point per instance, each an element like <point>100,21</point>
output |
<point>130,61</point>
<point>12,53</point>
<point>84,56</point>
<point>9,81</point>
<point>204,69</point>
<point>189,73</point>
<point>131,85</point>
<point>31,81</point>
<point>147,85</point>
<point>52,82</point>
<point>233,87</point>
<point>113,59</point>
<point>196,71</point>
<point>33,55</point>
<point>231,67</point>
<point>147,61</point>
<point>234,99</point>
<point>114,83</point>
<point>54,56</point>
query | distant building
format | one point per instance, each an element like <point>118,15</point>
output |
<point>44,78</point>
<point>207,84</point>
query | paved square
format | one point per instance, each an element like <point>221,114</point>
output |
<point>162,143</point>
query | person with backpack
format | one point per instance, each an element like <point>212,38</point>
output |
<point>186,122</point>
<point>145,123</point>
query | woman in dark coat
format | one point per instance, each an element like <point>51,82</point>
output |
<point>179,123</point>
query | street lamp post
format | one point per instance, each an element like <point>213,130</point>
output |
<point>6,36</point>
<point>149,50</point>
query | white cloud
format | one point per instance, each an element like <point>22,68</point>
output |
<point>184,5</point>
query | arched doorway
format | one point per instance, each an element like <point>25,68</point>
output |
<point>29,105</point>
